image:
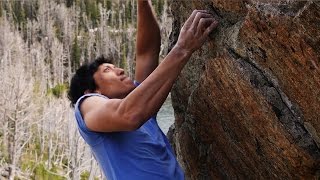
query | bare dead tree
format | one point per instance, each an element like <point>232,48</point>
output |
<point>35,122</point>
<point>17,86</point>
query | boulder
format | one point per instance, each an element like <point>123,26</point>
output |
<point>247,104</point>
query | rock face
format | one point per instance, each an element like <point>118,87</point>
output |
<point>247,105</point>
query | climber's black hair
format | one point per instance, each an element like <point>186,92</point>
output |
<point>83,80</point>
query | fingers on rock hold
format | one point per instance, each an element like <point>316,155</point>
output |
<point>213,25</point>
<point>199,16</point>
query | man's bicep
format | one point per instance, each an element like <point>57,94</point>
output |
<point>101,114</point>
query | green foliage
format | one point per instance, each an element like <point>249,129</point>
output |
<point>65,163</point>
<point>58,31</point>
<point>108,4</point>
<point>19,16</point>
<point>18,13</point>
<point>128,11</point>
<point>84,175</point>
<point>27,164</point>
<point>31,9</point>
<point>35,160</point>
<point>58,90</point>
<point>38,147</point>
<point>21,11</point>
<point>75,54</point>
<point>123,61</point>
<point>92,11</point>
<point>158,7</point>
<point>116,23</point>
<point>4,152</point>
<point>40,172</point>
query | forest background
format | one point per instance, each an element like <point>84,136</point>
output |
<point>42,43</point>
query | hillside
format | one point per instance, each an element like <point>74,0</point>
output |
<point>41,45</point>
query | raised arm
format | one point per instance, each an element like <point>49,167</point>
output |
<point>148,41</point>
<point>145,100</point>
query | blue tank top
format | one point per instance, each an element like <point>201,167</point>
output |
<point>142,154</point>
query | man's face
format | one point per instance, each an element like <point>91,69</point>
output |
<point>112,82</point>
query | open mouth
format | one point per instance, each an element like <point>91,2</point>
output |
<point>123,78</point>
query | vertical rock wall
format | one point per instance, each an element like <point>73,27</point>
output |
<point>247,105</point>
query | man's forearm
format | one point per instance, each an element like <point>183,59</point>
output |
<point>148,33</point>
<point>146,100</point>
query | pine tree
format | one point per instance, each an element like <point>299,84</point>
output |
<point>75,56</point>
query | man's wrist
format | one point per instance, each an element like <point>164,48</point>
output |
<point>185,53</point>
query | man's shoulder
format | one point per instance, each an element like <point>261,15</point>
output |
<point>89,101</point>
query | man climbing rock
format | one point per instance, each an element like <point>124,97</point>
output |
<point>117,116</point>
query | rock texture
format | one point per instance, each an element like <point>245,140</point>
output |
<point>247,105</point>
